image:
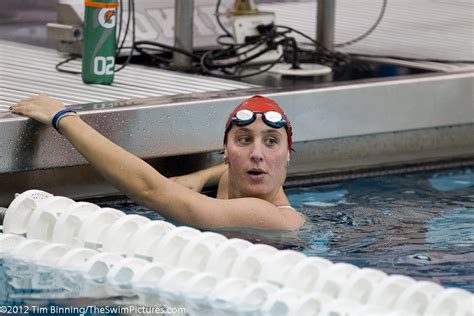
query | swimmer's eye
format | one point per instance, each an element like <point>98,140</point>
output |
<point>244,139</point>
<point>271,141</point>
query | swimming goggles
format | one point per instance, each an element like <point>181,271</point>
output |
<point>271,118</point>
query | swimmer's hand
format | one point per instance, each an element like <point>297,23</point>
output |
<point>191,181</point>
<point>41,108</point>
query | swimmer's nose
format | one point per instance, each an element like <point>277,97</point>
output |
<point>256,154</point>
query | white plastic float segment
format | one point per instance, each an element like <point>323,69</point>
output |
<point>97,266</point>
<point>172,244</point>
<point>414,300</point>
<point>249,263</point>
<point>9,241</point>
<point>75,257</point>
<point>145,281</point>
<point>452,302</point>
<point>175,279</point>
<point>228,289</point>
<point>208,265</point>
<point>280,302</point>
<point>150,275</point>
<point>255,294</point>
<point>341,307</point>
<point>43,219</point>
<point>69,223</point>
<point>201,284</point>
<point>334,279</point>
<point>312,268</point>
<point>223,257</point>
<point>117,236</point>
<point>310,304</point>
<point>361,284</point>
<point>19,212</point>
<point>146,238</point>
<point>387,292</point>
<point>121,274</point>
<point>50,254</point>
<point>277,266</point>
<point>196,252</point>
<point>370,310</point>
<point>92,230</point>
<point>27,248</point>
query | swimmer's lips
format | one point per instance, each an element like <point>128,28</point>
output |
<point>256,174</point>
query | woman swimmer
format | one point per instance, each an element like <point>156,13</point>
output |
<point>250,183</point>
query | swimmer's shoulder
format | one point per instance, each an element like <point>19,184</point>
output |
<point>294,215</point>
<point>286,206</point>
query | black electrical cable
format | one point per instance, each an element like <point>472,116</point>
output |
<point>220,55</point>
<point>131,4</point>
<point>206,56</point>
<point>316,43</point>
<point>230,76</point>
<point>162,54</point>
<point>127,26</point>
<point>369,31</point>
<point>235,48</point>
<point>58,66</point>
<point>229,53</point>
<point>223,60</point>
<point>167,47</point>
<point>156,56</point>
<point>119,22</point>
<point>294,56</point>
<point>325,55</point>
<point>220,42</point>
<point>267,37</point>
<point>285,41</point>
<point>211,60</point>
<point>227,33</point>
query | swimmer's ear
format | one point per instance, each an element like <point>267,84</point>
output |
<point>226,159</point>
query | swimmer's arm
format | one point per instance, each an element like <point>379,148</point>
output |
<point>127,172</point>
<point>202,211</point>
<point>148,187</point>
<point>203,178</point>
<point>175,202</point>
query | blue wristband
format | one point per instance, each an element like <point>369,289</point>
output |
<point>59,116</point>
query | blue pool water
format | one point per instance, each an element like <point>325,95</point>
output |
<point>420,225</point>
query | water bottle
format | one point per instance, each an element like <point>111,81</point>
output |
<point>99,46</point>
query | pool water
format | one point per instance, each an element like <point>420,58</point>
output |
<point>420,225</point>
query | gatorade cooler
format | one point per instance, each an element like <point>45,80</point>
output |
<point>99,46</point>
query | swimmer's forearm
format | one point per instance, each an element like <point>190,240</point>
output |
<point>212,175</point>
<point>127,172</point>
<point>133,176</point>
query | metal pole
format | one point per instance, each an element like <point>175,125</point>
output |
<point>183,32</point>
<point>325,20</point>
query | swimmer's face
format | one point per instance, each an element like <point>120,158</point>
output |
<point>257,155</point>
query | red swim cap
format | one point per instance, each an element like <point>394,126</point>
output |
<point>259,103</point>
